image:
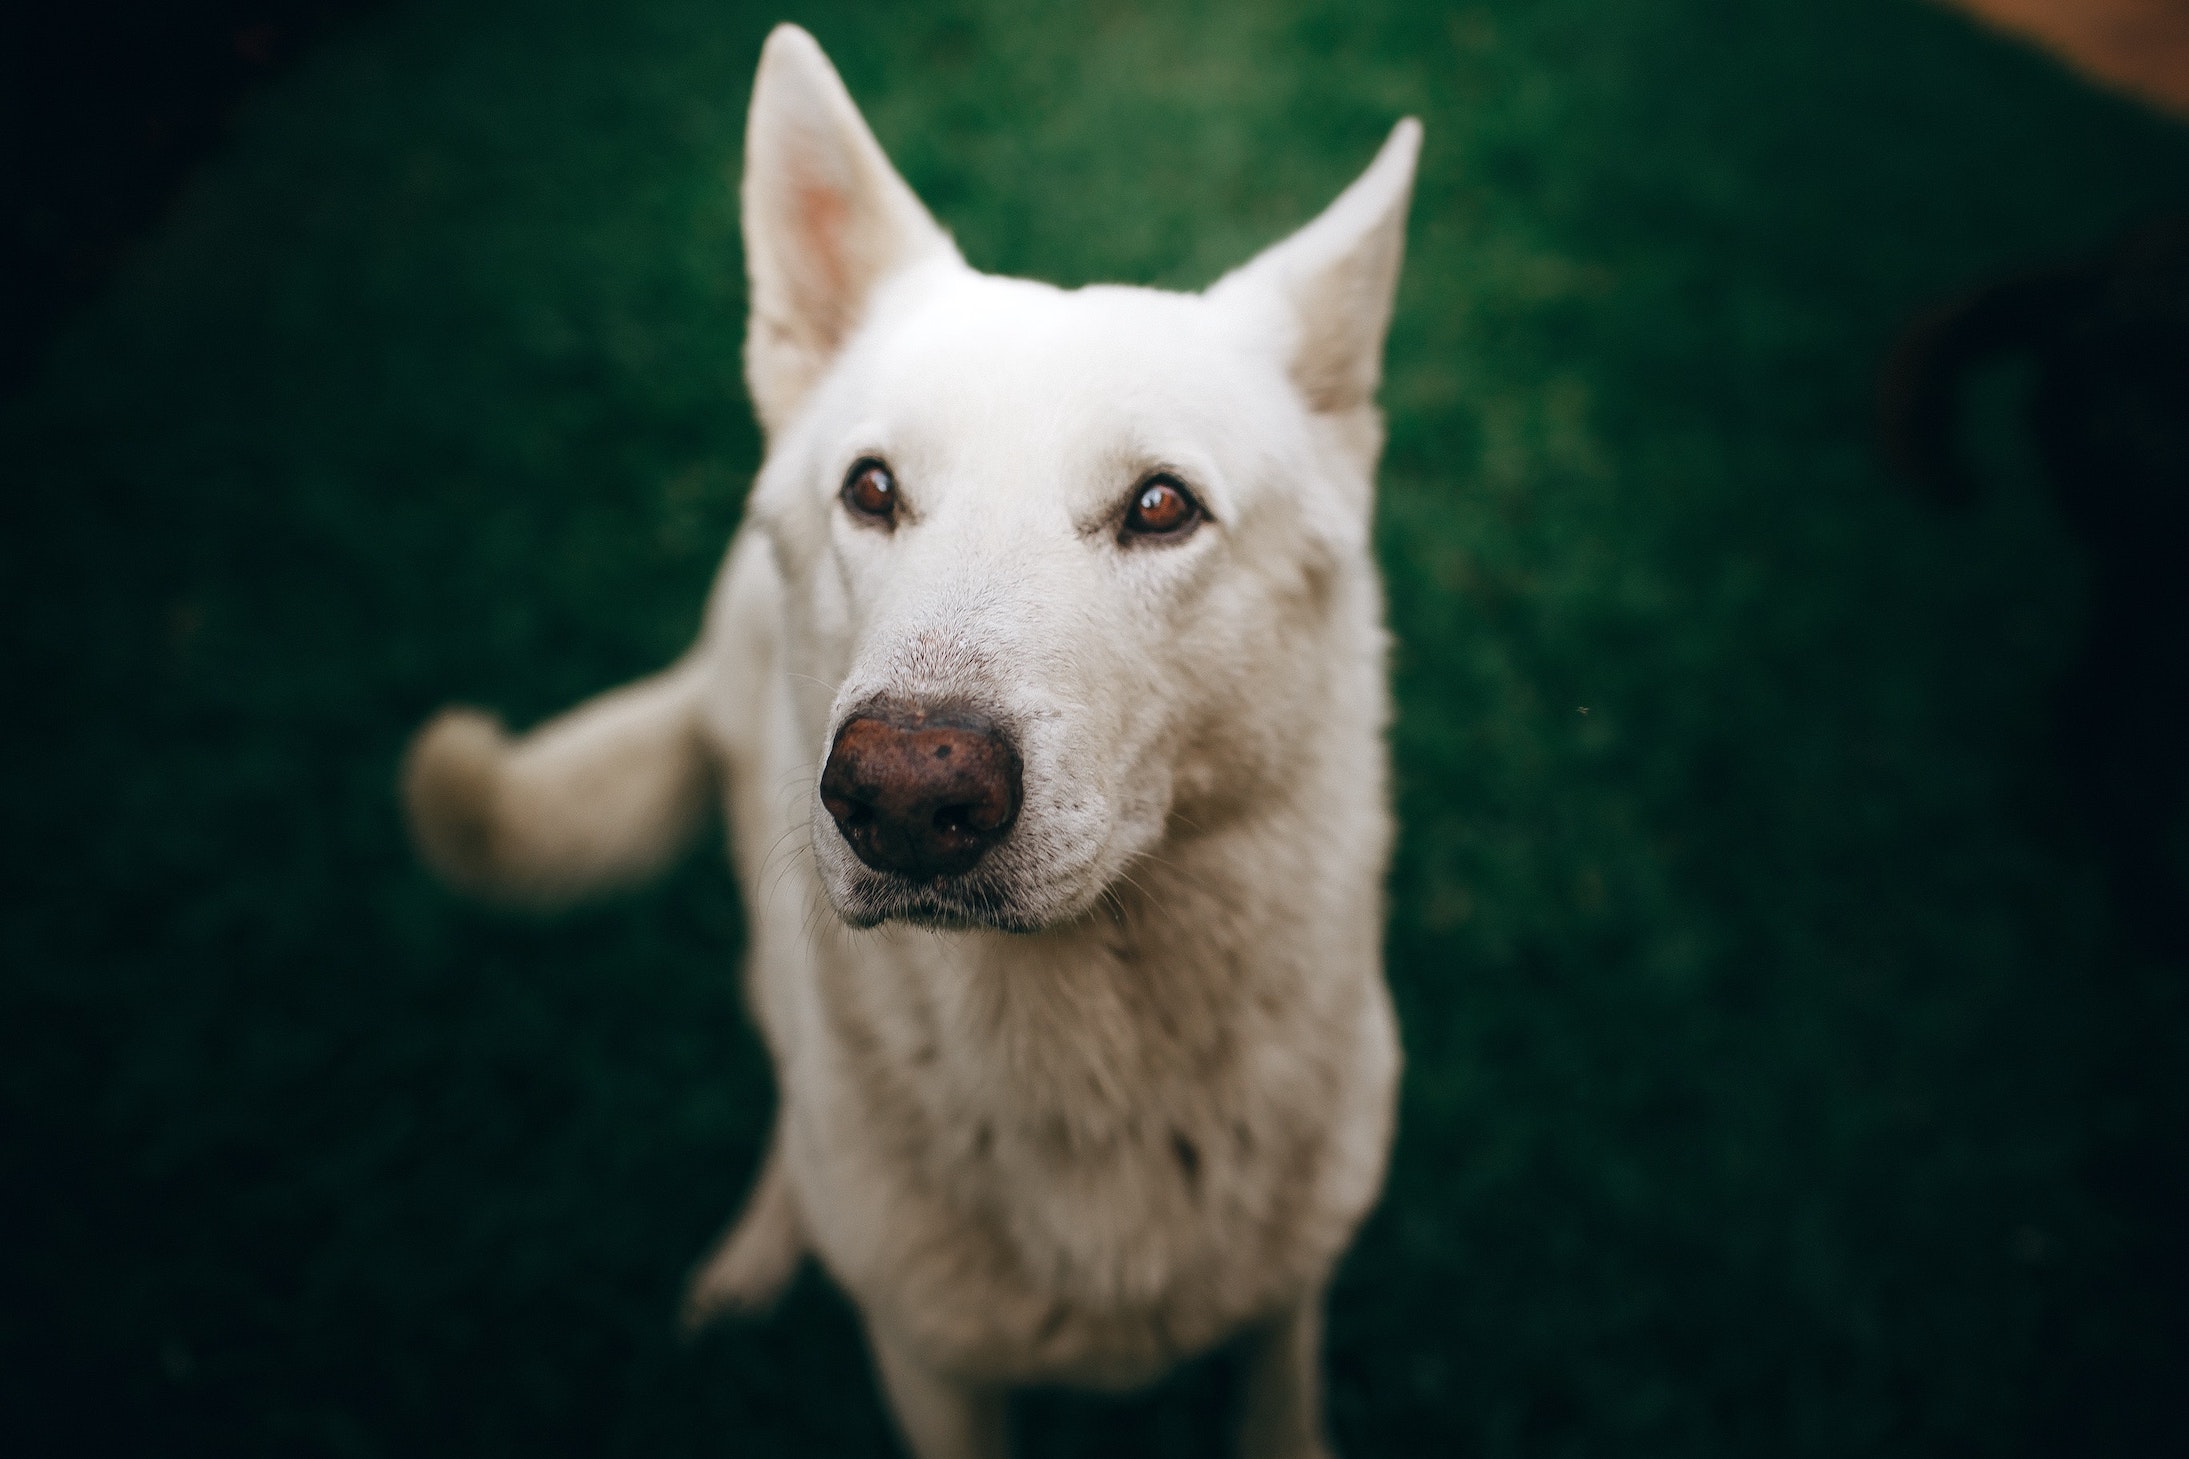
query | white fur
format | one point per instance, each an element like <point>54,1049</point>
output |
<point>1125,1089</point>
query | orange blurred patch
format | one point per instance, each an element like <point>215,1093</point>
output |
<point>2137,46</point>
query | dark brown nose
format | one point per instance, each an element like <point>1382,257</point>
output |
<point>921,792</point>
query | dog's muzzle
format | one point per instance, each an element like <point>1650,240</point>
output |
<point>921,791</point>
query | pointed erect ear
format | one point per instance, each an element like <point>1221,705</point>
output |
<point>1335,278</point>
<point>827,221</point>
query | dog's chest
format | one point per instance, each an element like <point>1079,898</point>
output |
<point>1092,1164</point>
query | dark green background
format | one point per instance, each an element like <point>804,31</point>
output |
<point>1780,1083</point>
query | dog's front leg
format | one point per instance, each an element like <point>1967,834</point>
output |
<point>1284,1393</point>
<point>756,1259</point>
<point>939,1417</point>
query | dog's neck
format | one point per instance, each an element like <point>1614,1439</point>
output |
<point>1202,948</point>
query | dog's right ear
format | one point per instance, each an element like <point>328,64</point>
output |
<point>827,220</point>
<point>1330,288</point>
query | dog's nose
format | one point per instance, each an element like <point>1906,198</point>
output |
<point>922,792</point>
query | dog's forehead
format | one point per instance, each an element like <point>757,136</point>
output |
<point>1085,368</point>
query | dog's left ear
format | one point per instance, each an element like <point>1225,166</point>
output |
<point>827,222</point>
<point>1331,284</point>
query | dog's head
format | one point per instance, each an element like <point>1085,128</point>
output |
<point>1062,568</point>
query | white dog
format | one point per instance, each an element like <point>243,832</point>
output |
<point>1044,686</point>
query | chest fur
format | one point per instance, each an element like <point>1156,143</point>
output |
<point>1086,1156</point>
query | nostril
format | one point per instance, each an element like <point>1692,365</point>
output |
<point>849,807</point>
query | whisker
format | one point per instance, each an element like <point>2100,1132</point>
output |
<point>1188,822</point>
<point>1191,877</point>
<point>1153,900</point>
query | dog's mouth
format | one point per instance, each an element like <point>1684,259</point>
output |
<point>967,903</point>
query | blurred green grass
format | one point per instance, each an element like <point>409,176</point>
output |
<point>1769,1036</point>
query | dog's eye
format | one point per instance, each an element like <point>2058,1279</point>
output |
<point>1162,507</point>
<point>870,491</point>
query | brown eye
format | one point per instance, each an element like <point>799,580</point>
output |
<point>871,491</point>
<point>1161,508</point>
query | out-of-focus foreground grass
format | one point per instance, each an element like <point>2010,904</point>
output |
<point>1778,1081</point>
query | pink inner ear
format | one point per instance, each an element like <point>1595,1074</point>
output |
<point>823,215</point>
